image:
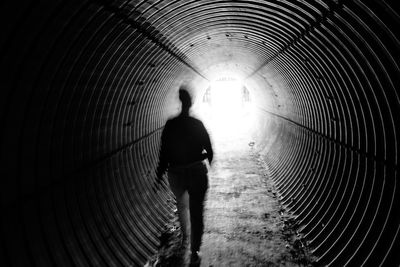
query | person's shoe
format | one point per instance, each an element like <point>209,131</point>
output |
<point>195,259</point>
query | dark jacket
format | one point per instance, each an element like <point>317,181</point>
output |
<point>184,140</point>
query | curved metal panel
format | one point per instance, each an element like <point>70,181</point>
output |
<point>87,86</point>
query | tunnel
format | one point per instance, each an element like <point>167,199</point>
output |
<point>88,85</point>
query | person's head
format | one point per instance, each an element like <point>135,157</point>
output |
<point>185,98</point>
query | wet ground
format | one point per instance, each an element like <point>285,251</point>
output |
<point>245,225</point>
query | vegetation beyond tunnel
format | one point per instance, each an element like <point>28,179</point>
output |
<point>88,85</point>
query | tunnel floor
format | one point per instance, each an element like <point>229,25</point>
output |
<point>245,225</point>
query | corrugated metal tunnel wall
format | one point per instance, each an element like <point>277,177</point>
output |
<point>87,85</point>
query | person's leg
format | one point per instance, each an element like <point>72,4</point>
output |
<point>197,191</point>
<point>181,195</point>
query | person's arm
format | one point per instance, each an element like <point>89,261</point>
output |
<point>207,145</point>
<point>163,160</point>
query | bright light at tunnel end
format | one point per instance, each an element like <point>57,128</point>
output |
<point>227,109</point>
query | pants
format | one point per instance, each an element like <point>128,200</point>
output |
<point>189,183</point>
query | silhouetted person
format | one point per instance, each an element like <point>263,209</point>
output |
<point>185,144</point>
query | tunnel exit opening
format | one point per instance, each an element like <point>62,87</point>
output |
<point>227,110</point>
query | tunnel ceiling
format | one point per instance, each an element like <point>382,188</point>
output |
<point>229,34</point>
<point>87,87</point>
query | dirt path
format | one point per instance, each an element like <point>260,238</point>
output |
<point>245,224</point>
